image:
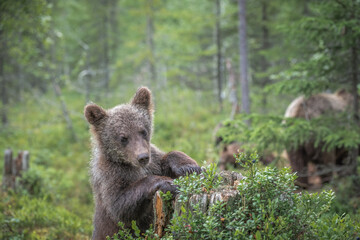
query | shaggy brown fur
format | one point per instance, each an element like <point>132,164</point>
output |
<point>309,108</point>
<point>126,169</point>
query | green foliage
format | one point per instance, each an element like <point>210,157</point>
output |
<point>53,200</point>
<point>276,133</point>
<point>326,39</point>
<point>32,182</point>
<point>267,207</point>
<point>25,217</point>
<point>24,27</point>
<point>347,199</point>
<point>191,184</point>
<point>133,233</point>
<point>334,227</point>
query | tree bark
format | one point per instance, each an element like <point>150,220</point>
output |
<point>235,109</point>
<point>265,46</point>
<point>245,99</point>
<point>105,41</point>
<point>87,78</point>
<point>354,83</point>
<point>218,53</point>
<point>113,30</point>
<point>150,42</point>
<point>7,181</point>
<point>4,95</point>
<point>355,80</point>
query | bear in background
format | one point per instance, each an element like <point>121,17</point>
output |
<point>229,150</point>
<point>227,157</point>
<point>309,108</point>
<point>126,169</point>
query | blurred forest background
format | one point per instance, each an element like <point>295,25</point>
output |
<point>55,56</point>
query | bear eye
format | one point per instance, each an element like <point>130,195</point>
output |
<point>124,140</point>
<point>144,133</point>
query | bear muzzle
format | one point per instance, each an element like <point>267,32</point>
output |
<point>143,158</point>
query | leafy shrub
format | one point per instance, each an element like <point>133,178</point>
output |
<point>274,133</point>
<point>134,233</point>
<point>334,227</point>
<point>26,217</point>
<point>197,183</point>
<point>31,182</point>
<point>268,206</point>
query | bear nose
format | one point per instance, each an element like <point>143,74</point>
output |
<point>143,158</point>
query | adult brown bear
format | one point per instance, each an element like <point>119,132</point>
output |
<point>126,169</point>
<point>309,108</point>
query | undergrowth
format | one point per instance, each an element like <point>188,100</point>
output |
<point>268,206</point>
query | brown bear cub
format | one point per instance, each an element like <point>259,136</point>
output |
<point>126,169</point>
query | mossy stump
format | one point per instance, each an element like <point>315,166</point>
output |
<point>164,211</point>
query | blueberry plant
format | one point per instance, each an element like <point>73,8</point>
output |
<point>268,206</point>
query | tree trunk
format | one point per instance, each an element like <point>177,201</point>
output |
<point>105,41</point>
<point>354,87</point>
<point>113,30</point>
<point>306,11</point>
<point>355,83</point>
<point>64,109</point>
<point>7,181</point>
<point>265,46</point>
<point>233,91</point>
<point>150,42</point>
<point>87,78</point>
<point>218,53</point>
<point>58,94</point>
<point>245,99</point>
<point>4,95</point>
<point>355,80</point>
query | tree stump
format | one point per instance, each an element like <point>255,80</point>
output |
<point>7,177</point>
<point>13,168</point>
<point>163,212</point>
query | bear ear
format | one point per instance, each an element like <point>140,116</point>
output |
<point>143,99</point>
<point>341,92</point>
<point>94,114</point>
<point>225,148</point>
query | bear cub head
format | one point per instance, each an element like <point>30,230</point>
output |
<point>123,133</point>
